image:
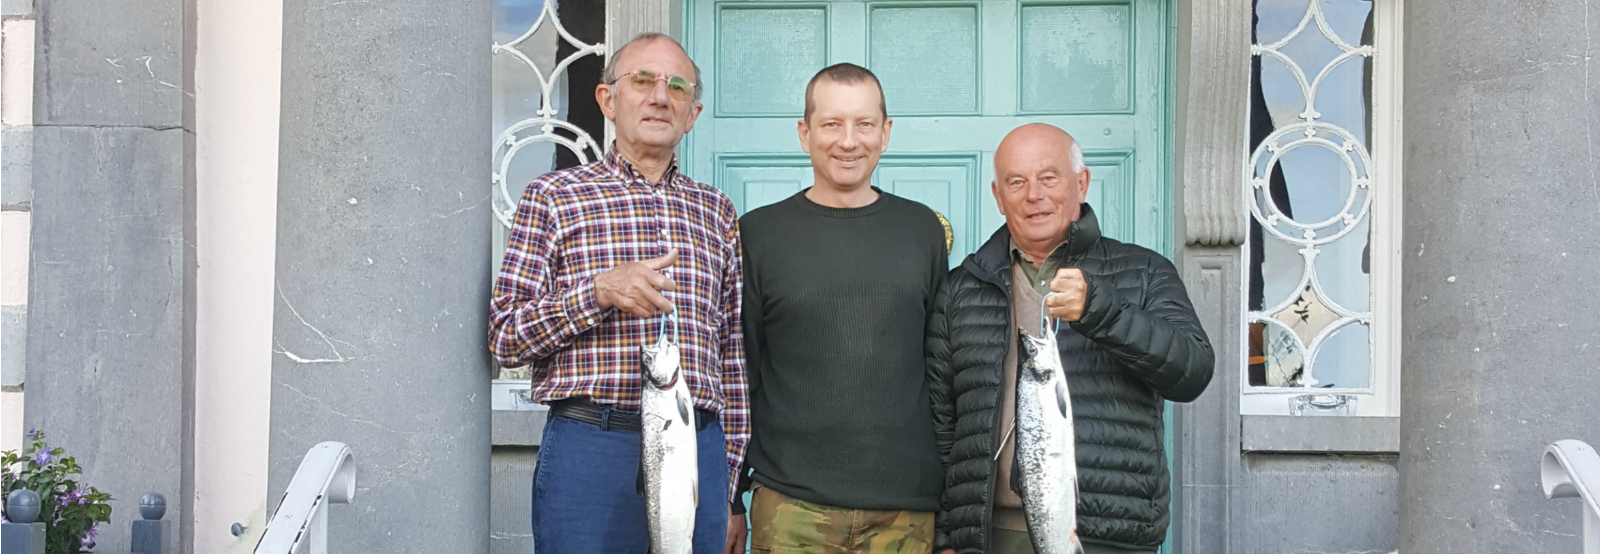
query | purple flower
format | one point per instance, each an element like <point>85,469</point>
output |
<point>88,539</point>
<point>43,457</point>
<point>32,432</point>
<point>74,496</point>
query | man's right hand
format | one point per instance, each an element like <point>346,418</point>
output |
<point>635,287</point>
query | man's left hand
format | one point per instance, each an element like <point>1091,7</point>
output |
<point>737,533</point>
<point>1070,293</point>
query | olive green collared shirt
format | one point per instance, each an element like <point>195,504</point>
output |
<point>1038,275</point>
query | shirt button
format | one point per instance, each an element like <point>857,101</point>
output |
<point>663,232</point>
<point>589,320</point>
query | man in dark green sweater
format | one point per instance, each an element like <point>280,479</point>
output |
<point>838,282</point>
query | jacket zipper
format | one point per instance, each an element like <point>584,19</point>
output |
<point>995,437</point>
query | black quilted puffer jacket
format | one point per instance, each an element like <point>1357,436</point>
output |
<point>1137,343</point>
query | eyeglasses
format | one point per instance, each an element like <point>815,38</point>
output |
<point>644,81</point>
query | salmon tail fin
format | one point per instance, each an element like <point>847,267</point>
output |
<point>1075,546</point>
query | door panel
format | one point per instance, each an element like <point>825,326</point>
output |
<point>957,75</point>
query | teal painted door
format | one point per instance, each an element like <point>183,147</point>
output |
<point>958,76</point>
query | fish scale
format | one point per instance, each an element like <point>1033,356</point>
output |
<point>669,472</point>
<point>1046,452</point>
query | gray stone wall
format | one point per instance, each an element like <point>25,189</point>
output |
<point>17,30</point>
<point>1500,337</point>
<point>382,255</point>
<point>109,322</point>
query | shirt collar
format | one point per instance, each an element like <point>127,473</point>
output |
<point>1081,235</point>
<point>614,162</point>
<point>1017,256</point>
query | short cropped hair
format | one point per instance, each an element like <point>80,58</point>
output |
<point>844,74</point>
<point>609,75</point>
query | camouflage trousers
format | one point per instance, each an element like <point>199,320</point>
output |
<point>781,524</point>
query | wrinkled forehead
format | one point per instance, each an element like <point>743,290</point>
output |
<point>659,56</point>
<point>1032,158</point>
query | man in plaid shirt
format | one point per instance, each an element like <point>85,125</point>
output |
<point>597,255</point>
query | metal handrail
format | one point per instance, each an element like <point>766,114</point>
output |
<point>1571,469</point>
<point>327,475</point>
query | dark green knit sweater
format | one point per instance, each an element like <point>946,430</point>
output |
<point>836,302</point>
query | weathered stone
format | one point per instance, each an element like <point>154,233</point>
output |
<point>517,427</point>
<point>1499,335</point>
<point>511,499</point>
<point>16,8</point>
<point>383,247</point>
<point>16,163</point>
<point>105,332</point>
<point>13,346</point>
<point>110,63</point>
<point>1314,503</point>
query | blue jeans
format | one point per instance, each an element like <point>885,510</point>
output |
<point>585,491</point>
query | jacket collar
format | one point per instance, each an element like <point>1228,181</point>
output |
<point>992,261</point>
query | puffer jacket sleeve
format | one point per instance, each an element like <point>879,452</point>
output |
<point>941,397</point>
<point>1160,340</point>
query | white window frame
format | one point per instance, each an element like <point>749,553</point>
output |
<point>1382,398</point>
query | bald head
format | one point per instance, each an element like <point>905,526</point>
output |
<point>1035,139</point>
<point>1040,184</point>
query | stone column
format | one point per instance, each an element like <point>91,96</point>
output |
<point>383,266</point>
<point>110,311</point>
<point>1500,334</point>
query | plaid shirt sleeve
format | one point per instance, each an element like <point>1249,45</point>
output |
<point>528,320</point>
<point>736,413</point>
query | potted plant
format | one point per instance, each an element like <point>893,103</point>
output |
<point>69,510</point>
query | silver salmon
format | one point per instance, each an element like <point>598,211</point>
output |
<point>1046,452</point>
<point>669,472</point>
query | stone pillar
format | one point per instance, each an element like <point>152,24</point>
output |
<point>1500,334</point>
<point>383,266</point>
<point>110,318</point>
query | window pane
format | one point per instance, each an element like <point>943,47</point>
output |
<point>533,134</point>
<point>1310,193</point>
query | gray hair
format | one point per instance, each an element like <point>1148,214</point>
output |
<point>609,76</point>
<point>1077,157</point>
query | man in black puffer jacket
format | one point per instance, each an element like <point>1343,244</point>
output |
<point>1129,339</point>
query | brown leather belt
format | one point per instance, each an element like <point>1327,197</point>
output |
<point>608,418</point>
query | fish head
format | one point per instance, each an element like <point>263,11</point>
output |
<point>661,363</point>
<point>1039,357</point>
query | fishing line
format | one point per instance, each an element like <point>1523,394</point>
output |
<point>673,317</point>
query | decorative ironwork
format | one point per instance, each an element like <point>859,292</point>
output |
<point>541,128</point>
<point>1308,302</point>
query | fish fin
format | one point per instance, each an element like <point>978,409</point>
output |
<point>694,489</point>
<point>639,483</point>
<point>1075,544</point>
<point>685,412</point>
<point>1063,402</point>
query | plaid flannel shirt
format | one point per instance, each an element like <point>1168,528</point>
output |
<point>573,224</point>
